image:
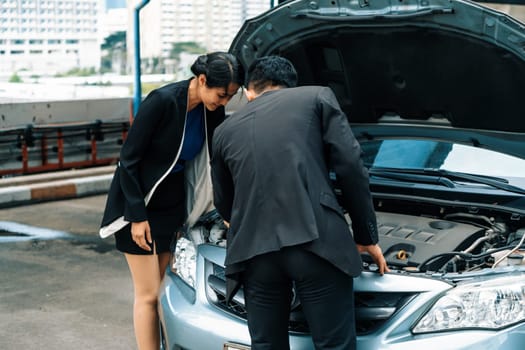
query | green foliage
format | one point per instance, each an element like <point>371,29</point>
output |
<point>105,64</point>
<point>186,46</point>
<point>114,43</point>
<point>15,78</point>
<point>99,83</point>
<point>78,72</point>
<point>114,40</point>
<point>148,87</point>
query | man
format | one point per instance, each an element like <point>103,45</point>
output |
<point>270,172</point>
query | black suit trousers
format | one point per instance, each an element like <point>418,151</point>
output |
<point>325,293</point>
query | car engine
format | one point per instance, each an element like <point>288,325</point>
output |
<point>456,242</point>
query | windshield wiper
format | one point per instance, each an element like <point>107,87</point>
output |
<point>496,182</point>
<point>402,175</point>
<point>444,177</point>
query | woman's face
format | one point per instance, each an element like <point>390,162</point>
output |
<point>214,97</point>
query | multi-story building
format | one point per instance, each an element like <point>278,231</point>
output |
<point>49,36</point>
<point>210,23</point>
<point>113,20</point>
<point>45,37</point>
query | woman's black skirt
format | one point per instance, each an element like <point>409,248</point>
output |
<point>166,212</point>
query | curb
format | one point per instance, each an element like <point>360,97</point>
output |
<point>68,185</point>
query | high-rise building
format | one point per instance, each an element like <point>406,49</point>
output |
<point>210,23</point>
<point>49,36</point>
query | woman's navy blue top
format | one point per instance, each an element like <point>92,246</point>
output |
<point>194,135</point>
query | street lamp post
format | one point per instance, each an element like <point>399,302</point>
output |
<point>137,84</point>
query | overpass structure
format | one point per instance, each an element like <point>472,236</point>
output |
<point>63,149</point>
<point>37,137</point>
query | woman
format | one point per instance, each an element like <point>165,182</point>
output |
<point>162,179</point>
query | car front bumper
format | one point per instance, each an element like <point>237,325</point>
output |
<point>195,324</point>
<point>190,320</point>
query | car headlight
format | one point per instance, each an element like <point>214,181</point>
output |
<point>184,263</point>
<point>489,304</point>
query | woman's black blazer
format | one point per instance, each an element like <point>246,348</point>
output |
<point>150,148</point>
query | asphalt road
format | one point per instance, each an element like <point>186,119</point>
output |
<point>62,288</point>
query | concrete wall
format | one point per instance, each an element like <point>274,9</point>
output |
<point>53,112</point>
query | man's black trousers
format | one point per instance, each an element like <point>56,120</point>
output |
<point>325,292</point>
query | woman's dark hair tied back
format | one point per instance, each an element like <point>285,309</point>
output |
<point>220,69</point>
<point>200,66</point>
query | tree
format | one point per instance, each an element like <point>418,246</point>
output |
<point>15,78</point>
<point>188,47</point>
<point>114,40</point>
<point>114,52</point>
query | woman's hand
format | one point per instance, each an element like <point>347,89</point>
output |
<point>141,234</point>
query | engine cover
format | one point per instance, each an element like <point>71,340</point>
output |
<point>410,240</point>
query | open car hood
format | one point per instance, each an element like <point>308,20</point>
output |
<point>437,67</point>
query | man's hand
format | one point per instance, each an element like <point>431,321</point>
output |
<point>377,255</point>
<point>141,234</point>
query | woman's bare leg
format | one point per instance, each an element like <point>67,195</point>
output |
<point>164,260</point>
<point>147,272</point>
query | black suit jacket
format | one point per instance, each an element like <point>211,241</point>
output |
<point>270,172</point>
<point>151,146</point>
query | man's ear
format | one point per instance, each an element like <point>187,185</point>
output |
<point>250,94</point>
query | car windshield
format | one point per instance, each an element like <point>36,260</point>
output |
<point>423,155</point>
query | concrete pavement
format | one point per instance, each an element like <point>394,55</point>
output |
<point>27,189</point>
<point>68,290</point>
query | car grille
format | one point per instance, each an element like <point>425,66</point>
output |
<point>372,309</point>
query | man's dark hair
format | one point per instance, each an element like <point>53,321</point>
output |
<point>271,71</point>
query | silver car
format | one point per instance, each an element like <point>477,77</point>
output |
<point>434,91</point>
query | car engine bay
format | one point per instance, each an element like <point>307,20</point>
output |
<point>455,240</point>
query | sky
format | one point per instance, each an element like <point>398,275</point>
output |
<point>112,4</point>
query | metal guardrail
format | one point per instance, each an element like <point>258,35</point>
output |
<point>42,137</point>
<point>42,148</point>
